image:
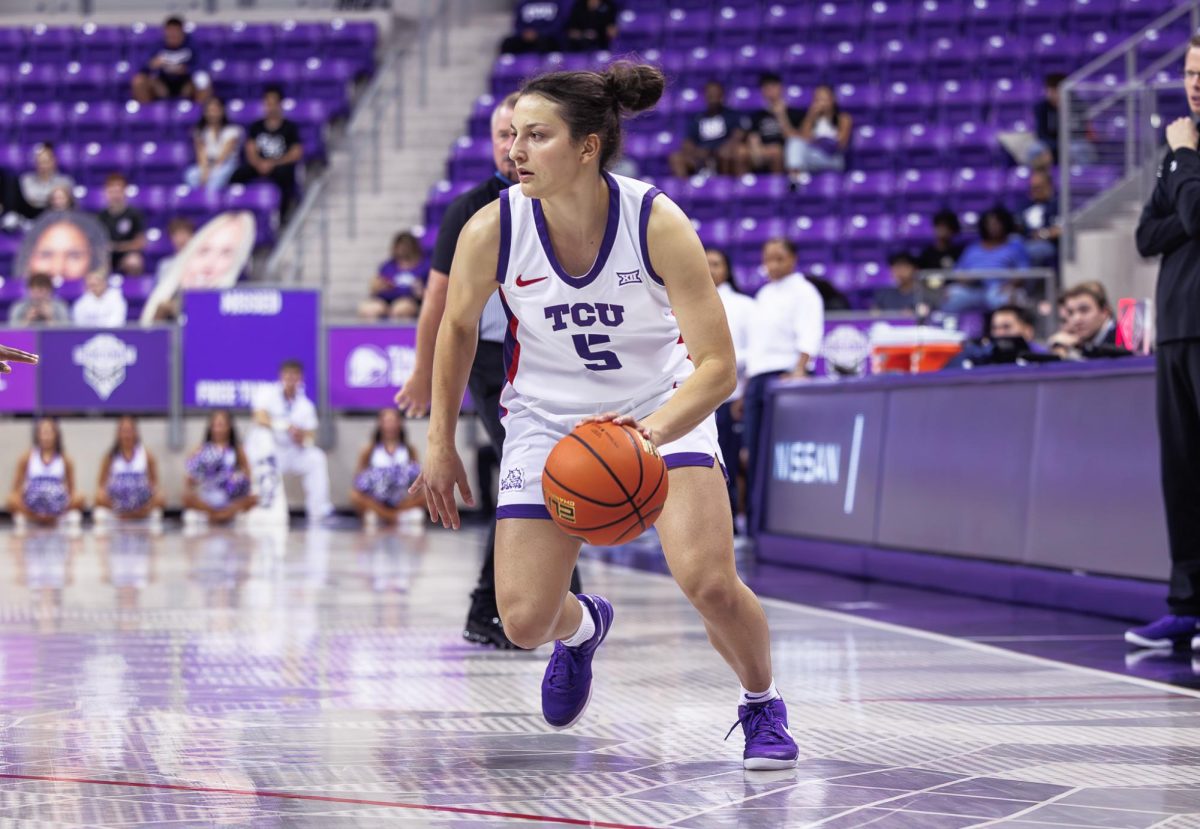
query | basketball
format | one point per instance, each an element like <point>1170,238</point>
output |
<point>604,483</point>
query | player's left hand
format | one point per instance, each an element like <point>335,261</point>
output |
<point>1182,133</point>
<point>14,355</point>
<point>623,420</point>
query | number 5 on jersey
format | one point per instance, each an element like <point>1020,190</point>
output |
<point>593,359</point>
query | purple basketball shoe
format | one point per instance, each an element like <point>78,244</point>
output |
<point>769,744</point>
<point>567,685</point>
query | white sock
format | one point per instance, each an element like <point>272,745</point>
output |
<point>587,629</point>
<point>752,698</point>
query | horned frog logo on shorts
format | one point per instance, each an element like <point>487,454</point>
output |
<point>513,480</point>
<point>563,509</point>
<point>104,359</point>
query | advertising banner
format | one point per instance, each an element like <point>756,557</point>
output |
<point>18,391</point>
<point>369,364</point>
<point>846,348</point>
<point>235,340</point>
<point>105,370</point>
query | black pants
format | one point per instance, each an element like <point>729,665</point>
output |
<point>1179,442</point>
<point>485,383</point>
<point>283,177</point>
<point>755,406</point>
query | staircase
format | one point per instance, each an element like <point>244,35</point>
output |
<point>410,161</point>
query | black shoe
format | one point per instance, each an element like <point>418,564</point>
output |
<point>484,626</point>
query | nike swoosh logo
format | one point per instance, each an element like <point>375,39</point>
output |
<point>521,284</point>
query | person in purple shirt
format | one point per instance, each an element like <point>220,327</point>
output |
<point>999,248</point>
<point>397,288</point>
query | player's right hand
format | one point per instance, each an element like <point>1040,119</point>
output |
<point>14,355</point>
<point>442,471</point>
<point>414,396</point>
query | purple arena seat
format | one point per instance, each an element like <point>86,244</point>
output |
<point>817,194</point>
<point>99,44</point>
<point>161,162</point>
<point>1041,15</point>
<point>869,191</point>
<point>710,197</point>
<point>907,103</point>
<point>922,191</point>
<point>702,63</point>
<point>1133,15</point>
<point>639,30</point>
<point>87,82</point>
<point>985,18</point>
<point>298,41</point>
<point>687,28</point>
<point>714,233</point>
<point>49,44</point>
<point>940,18</point>
<point>146,122</point>
<point>961,100</point>
<point>36,82</point>
<point>912,231</point>
<point>786,23</point>
<point>852,61</point>
<point>1057,52</point>
<point>977,190</point>
<point>1089,15</point>
<point>1013,100</point>
<point>805,64</point>
<point>890,19</point>
<point>903,60</point>
<point>761,196</point>
<point>41,122</point>
<point>735,25</point>
<point>867,238</point>
<point>750,234</point>
<point>815,235</point>
<point>999,54</point>
<point>837,21</point>
<point>750,61</point>
<point>875,148</point>
<point>974,144</point>
<point>924,146</point>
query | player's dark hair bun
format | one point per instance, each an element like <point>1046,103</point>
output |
<point>634,86</point>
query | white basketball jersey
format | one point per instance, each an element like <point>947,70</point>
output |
<point>607,336</point>
<point>382,459</point>
<point>135,465</point>
<point>37,468</point>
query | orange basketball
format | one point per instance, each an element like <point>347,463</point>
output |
<point>604,483</point>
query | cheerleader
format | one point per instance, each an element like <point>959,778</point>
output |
<point>128,484</point>
<point>44,485</point>
<point>385,470</point>
<point>218,475</point>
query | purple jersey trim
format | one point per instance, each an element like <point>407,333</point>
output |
<point>523,511</point>
<point>643,226</point>
<point>610,236</point>
<point>505,237</point>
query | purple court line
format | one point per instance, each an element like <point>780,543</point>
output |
<point>458,810</point>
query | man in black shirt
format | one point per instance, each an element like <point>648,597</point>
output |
<point>768,128</point>
<point>487,378</point>
<point>173,70</point>
<point>943,254</point>
<point>126,228</point>
<point>1170,227</point>
<point>273,149</point>
<point>592,25</point>
<point>536,28</point>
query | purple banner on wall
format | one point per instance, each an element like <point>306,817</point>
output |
<point>18,390</point>
<point>369,364</point>
<point>105,370</point>
<point>235,340</point>
<point>846,349</point>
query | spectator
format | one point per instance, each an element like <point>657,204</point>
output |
<point>273,150</point>
<point>592,25</point>
<point>902,294</point>
<point>36,186</point>
<point>1011,336</point>
<point>217,143</point>
<point>43,488</point>
<point>40,306</point>
<point>1089,321</point>
<point>789,325</point>
<point>218,475</point>
<point>1013,321</point>
<point>770,127</point>
<point>823,137</point>
<point>180,231</point>
<point>386,468</point>
<point>173,71</point>
<point>126,228</point>
<point>945,250</point>
<point>128,487</point>
<point>1039,220</point>
<point>1043,152</point>
<point>714,138</point>
<point>537,25</point>
<point>739,311</point>
<point>998,249</point>
<point>396,290</point>
<point>288,421</point>
<point>61,199</point>
<point>100,306</point>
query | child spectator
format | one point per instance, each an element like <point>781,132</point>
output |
<point>386,468</point>
<point>40,306</point>
<point>397,289</point>
<point>128,487</point>
<point>173,71</point>
<point>218,144</point>
<point>36,186</point>
<point>823,137</point>
<point>273,150</point>
<point>714,138</point>
<point>43,490</point>
<point>592,25</point>
<point>101,305</point>
<point>126,228</point>
<point>218,475</point>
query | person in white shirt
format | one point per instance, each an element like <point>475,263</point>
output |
<point>789,325</point>
<point>101,306</point>
<point>288,420</point>
<point>218,143</point>
<point>739,311</point>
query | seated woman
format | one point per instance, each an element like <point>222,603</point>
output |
<point>397,289</point>
<point>128,485</point>
<point>385,470</point>
<point>824,135</point>
<point>44,485</point>
<point>218,475</point>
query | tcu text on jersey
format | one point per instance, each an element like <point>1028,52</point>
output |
<point>585,315</point>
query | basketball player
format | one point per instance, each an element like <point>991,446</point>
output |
<point>603,280</point>
<point>14,355</point>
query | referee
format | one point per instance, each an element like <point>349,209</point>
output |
<point>1170,227</point>
<point>487,372</point>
